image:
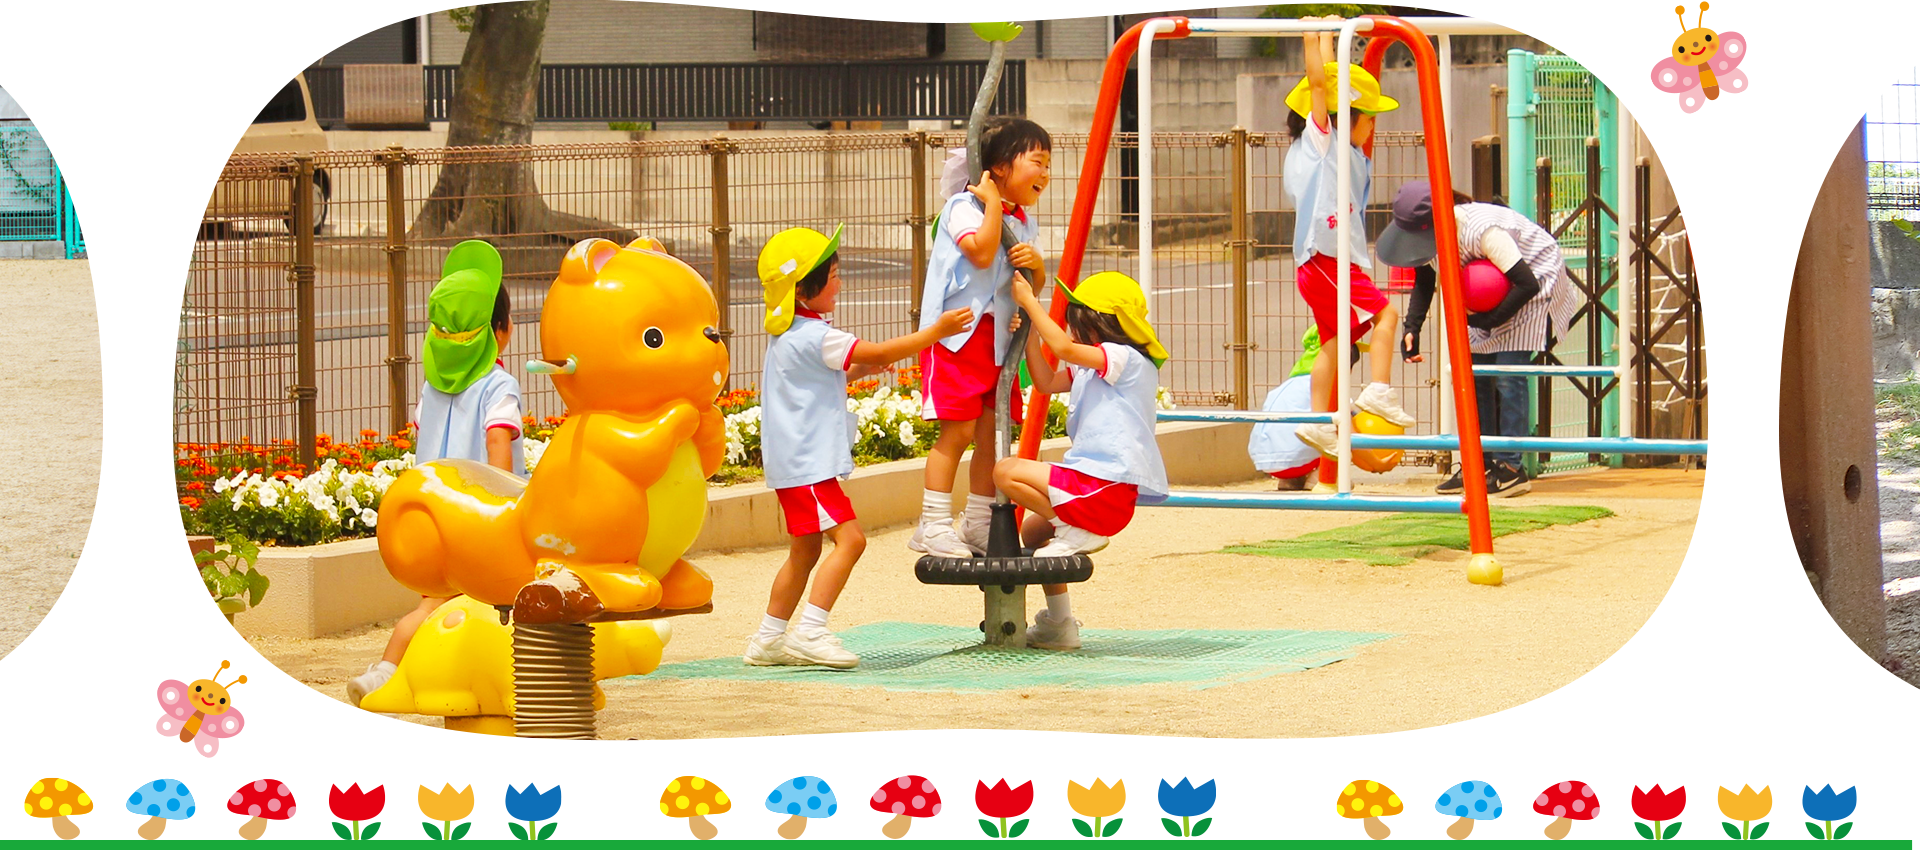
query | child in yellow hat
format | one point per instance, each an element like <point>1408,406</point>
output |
<point>1311,175</point>
<point>806,438</point>
<point>1110,359</point>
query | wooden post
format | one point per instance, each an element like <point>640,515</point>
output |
<point>1241,245</point>
<point>397,358</point>
<point>917,220</point>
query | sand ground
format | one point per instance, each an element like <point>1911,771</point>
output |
<point>1462,651</point>
<point>1900,558</point>
<point>50,454</point>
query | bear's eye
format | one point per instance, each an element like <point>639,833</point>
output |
<point>653,338</point>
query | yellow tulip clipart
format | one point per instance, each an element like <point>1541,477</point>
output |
<point>446,806</point>
<point>1746,807</point>
<point>1098,802</point>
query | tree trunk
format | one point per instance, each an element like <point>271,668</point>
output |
<point>494,98</point>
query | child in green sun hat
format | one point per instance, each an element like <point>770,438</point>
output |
<point>470,406</point>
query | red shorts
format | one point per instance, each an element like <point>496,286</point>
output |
<point>1303,469</point>
<point>815,507</point>
<point>959,385</point>
<point>1319,286</point>
<point>1089,503</point>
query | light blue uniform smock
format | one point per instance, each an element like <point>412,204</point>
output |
<point>1111,423</point>
<point>1273,446</point>
<point>806,431</point>
<point>953,281</point>
<point>1312,177</point>
<point>456,425</point>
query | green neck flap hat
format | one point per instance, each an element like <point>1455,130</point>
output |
<point>460,347</point>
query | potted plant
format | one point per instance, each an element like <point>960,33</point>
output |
<point>204,611</point>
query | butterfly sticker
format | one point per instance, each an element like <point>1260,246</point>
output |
<point>201,713</point>
<point>1704,63</point>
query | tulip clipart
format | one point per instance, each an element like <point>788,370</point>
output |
<point>532,806</point>
<point>1001,802</point>
<point>354,805</point>
<point>1098,802</point>
<point>1746,807</point>
<point>449,807</point>
<point>1186,802</point>
<point>1828,807</point>
<point>1660,807</point>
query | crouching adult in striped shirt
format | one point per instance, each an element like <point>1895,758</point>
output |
<point>1539,306</point>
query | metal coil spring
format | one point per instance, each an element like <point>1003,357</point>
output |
<point>553,680</point>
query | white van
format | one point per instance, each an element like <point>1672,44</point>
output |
<point>254,108</point>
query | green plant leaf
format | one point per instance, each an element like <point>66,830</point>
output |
<point>1018,827</point>
<point>990,828</point>
<point>547,831</point>
<point>1733,832</point>
<point>1815,829</point>
<point>1200,827</point>
<point>1645,831</point>
<point>460,831</point>
<point>433,831</point>
<point>1113,826</point>
<point>367,834</point>
<point>519,831</point>
<point>1673,829</point>
<point>232,605</point>
<point>256,588</point>
<point>1173,829</point>
<point>1841,831</point>
<point>1904,225</point>
<point>341,830</point>
<point>1085,829</point>
<point>1755,833</point>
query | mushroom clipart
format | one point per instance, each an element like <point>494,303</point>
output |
<point>694,798</point>
<point>800,799</point>
<point>261,800</point>
<point>1567,802</point>
<point>1468,802</point>
<point>905,798</point>
<point>161,800</point>
<point>1369,801</point>
<point>58,800</point>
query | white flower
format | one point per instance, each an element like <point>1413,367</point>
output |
<point>907,437</point>
<point>369,518</point>
<point>267,496</point>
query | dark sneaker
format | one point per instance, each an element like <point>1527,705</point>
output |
<point>1506,481</point>
<point>1303,482</point>
<point>1452,486</point>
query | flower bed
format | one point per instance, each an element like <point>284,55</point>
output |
<point>262,493</point>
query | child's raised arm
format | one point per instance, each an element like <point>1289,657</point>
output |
<point>1089,356</point>
<point>1317,48</point>
<point>867,353</point>
<point>981,245</point>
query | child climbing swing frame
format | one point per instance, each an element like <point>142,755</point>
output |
<point>1432,73</point>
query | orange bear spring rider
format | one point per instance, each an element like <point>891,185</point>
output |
<point>620,492</point>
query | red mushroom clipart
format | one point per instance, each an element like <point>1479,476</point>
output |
<point>261,800</point>
<point>905,798</point>
<point>1567,802</point>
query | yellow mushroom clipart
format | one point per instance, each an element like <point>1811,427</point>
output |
<point>694,798</point>
<point>1370,801</point>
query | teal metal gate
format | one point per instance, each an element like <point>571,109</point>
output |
<point>83,221</point>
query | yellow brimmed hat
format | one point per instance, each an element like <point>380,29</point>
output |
<point>1364,92</point>
<point>1118,295</point>
<point>789,256</point>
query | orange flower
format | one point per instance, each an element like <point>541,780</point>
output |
<point>401,444</point>
<point>189,502</point>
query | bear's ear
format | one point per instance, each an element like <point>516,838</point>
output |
<point>647,243</point>
<point>584,261</point>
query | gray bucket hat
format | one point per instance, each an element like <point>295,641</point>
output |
<point>1408,241</point>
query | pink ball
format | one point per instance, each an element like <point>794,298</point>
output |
<point>1486,286</point>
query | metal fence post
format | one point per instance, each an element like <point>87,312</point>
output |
<point>917,220</point>
<point>1241,346</point>
<point>1596,278</point>
<point>722,231</point>
<point>397,357</point>
<point>306,392</point>
<point>1543,387</point>
<point>1643,296</point>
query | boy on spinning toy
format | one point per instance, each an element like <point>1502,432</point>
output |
<point>968,268</point>
<point>1110,359</point>
<point>1311,175</point>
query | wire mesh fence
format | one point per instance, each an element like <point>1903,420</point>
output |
<point>1893,152</point>
<point>361,236</point>
<point>31,192</point>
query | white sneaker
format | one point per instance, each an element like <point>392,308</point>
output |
<point>769,652</point>
<point>1049,633</point>
<point>975,533</point>
<point>1071,541</point>
<point>1384,401</point>
<point>822,647</point>
<point>381,724</point>
<point>1321,437</point>
<point>938,538</point>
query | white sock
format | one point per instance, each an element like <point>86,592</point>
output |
<point>935,506</point>
<point>1381,387</point>
<point>979,509</point>
<point>814,618</point>
<point>385,666</point>
<point>1058,524</point>
<point>1058,607</point>
<point>771,627</point>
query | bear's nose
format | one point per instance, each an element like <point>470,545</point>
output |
<point>711,334</point>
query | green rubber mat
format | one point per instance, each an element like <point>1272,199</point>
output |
<point>925,657</point>
<point>1396,540</point>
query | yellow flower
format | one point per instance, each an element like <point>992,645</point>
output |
<point>447,805</point>
<point>1100,801</point>
<point>1748,805</point>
